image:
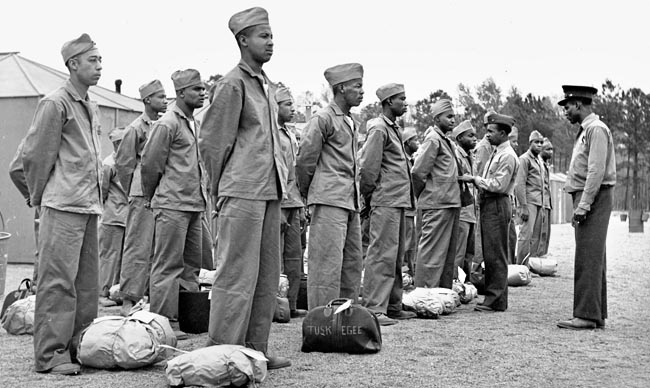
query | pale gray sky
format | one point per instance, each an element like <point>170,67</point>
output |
<point>427,45</point>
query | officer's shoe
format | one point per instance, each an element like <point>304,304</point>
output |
<point>402,315</point>
<point>66,369</point>
<point>384,320</point>
<point>298,313</point>
<point>277,362</point>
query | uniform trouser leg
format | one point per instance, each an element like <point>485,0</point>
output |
<point>37,222</point>
<point>177,258</point>
<point>365,236</point>
<point>528,240</point>
<point>543,230</point>
<point>292,257</point>
<point>243,295</point>
<point>590,279</point>
<point>478,245</point>
<point>207,260</point>
<point>512,241</point>
<point>437,249</point>
<point>411,244</point>
<point>470,250</point>
<point>335,258</point>
<point>496,214</point>
<point>111,241</point>
<point>138,250</point>
<point>66,298</point>
<point>464,229</point>
<point>382,282</point>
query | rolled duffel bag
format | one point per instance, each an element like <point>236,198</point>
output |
<point>341,327</point>
<point>127,343</point>
<point>19,316</point>
<point>518,275</point>
<point>542,266</point>
<point>217,366</point>
<point>424,302</point>
<point>449,298</point>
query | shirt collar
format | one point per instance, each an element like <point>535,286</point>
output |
<point>146,118</point>
<point>503,146</point>
<point>589,119</point>
<point>246,67</point>
<point>69,87</point>
<point>389,121</point>
<point>437,129</point>
<point>179,112</point>
<point>461,151</point>
<point>337,109</point>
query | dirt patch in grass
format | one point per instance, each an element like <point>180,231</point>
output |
<point>520,347</point>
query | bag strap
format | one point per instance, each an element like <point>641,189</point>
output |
<point>337,301</point>
<point>28,284</point>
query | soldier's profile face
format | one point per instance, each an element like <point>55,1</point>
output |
<point>353,92</point>
<point>260,43</point>
<point>88,67</point>
<point>286,110</point>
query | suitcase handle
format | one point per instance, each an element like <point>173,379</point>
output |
<point>337,302</point>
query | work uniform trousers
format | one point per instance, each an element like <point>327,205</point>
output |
<point>207,259</point>
<point>382,277</point>
<point>465,248</point>
<point>177,259</point>
<point>411,245</point>
<point>529,233</point>
<point>496,216</point>
<point>512,240</point>
<point>67,293</point>
<point>335,258</point>
<point>138,250</point>
<point>590,280</point>
<point>292,255</point>
<point>111,242</point>
<point>437,249</point>
<point>544,233</point>
<point>37,223</point>
<point>248,272</point>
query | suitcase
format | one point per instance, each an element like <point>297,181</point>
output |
<point>193,311</point>
<point>341,327</point>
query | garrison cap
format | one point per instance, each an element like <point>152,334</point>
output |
<point>389,90</point>
<point>440,107</point>
<point>576,91</point>
<point>497,118</point>
<point>547,142</point>
<point>486,117</point>
<point>535,135</point>
<point>409,133</point>
<point>76,46</point>
<point>461,128</point>
<point>247,18</point>
<point>514,133</point>
<point>282,94</point>
<point>116,134</point>
<point>342,73</point>
<point>150,88</point>
<point>186,78</point>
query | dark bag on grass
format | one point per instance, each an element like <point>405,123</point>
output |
<point>341,327</point>
<point>282,312</point>
<point>23,291</point>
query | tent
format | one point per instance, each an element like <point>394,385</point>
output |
<point>23,83</point>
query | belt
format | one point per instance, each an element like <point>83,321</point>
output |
<point>488,194</point>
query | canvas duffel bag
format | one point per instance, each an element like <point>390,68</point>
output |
<point>341,327</point>
<point>542,266</point>
<point>217,366</point>
<point>19,316</point>
<point>424,302</point>
<point>518,275</point>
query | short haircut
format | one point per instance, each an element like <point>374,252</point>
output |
<point>245,32</point>
<point>503,127</point>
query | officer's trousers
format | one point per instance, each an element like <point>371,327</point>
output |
<point>496,216</point>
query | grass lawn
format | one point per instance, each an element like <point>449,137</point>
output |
<point>520,347</point>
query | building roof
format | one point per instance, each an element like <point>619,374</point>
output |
<point>21,77</point>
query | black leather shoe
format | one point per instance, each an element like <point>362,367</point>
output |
<point>577,324</point>
<point>298,313</point>
<point>402,315</point>
<point>277,362</point>
<point>483,308</point>
<point>67,369</point>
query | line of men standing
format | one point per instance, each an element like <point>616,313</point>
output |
<point>248,171</point>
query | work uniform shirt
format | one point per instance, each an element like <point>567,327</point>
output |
<point>501,171</point>
<point>116,206</point>
<point>17,172</point>
<point>435,172</point>
<point>529,185</point>
<point>61,155</point>
<point>593,162</point>
<point>240,140</point>
<point>171,165</point>
<point>384,168</point>
<point>289,150</point>
<point>128,159</point>
<point>467,213</point>
<point>546,200</point>
<point>326,166</point>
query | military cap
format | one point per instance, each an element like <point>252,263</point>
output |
<point>547,142</point>
<point>116,134</point>
<point>497,118</point>
<point>440,107</point>
<point>409,133</point>
<point>535,135</point>
<point>342,73</point>
<point>576,91</point>
<point>487,115</point>
<point>461,128</point>
<point>186,78</point>
<point>247,18</point>
<point>77,46</point>
<point>514,133</point>
<point>389,90</point>
<point>150,88</point>
<point>282,94</point>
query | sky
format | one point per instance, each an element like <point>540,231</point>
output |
<point>427,45</point>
